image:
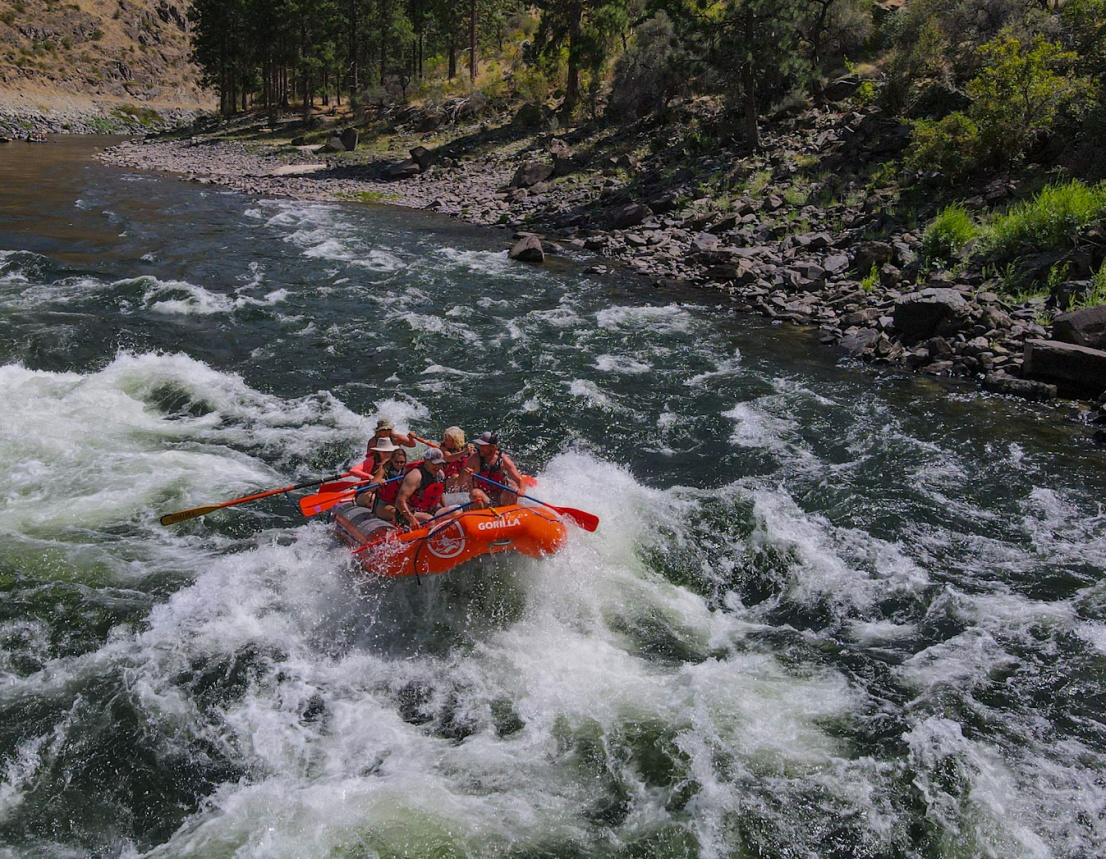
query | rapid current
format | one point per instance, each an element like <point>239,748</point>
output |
<point>828,612</point>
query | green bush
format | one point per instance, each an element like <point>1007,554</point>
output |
<point>1018,92</point>
<point>1053,221</point>
<point>950,231</point>
<point>949,146</point>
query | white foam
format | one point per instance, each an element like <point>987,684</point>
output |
<point>622,364</point>
<point>724,368</point>
<point>669,319</point>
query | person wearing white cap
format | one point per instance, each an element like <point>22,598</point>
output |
<point>420,493</point>
<point>488,466</point>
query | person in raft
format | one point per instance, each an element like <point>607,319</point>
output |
<point>386,430</point>
<point>489,463</point>
<point>420,492</point>
<point>456,453</point>
<point>383,501</point>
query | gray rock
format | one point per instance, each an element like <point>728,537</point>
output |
<point>857,342</point>
<point>423,157</point>
<point>1085,327</point>
<point>529,116</point>
<point>628,215</point>
<point>349,138</point>
<point>402,170</point>
<point>920,315</point>
<point>531,173</point>
<point>1000,383</point>
<point>527,249</point>
<point>841,88</point>
<point>1075,370</point>
<point>867,254</point>
<point>334,144</point>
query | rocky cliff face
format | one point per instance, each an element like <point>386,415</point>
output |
<point>110,53</point>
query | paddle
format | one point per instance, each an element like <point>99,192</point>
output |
<point>585,520</point>
<point>320,502</point>
<point>195,512</point>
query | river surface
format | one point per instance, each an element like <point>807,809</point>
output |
<point>827,612</point>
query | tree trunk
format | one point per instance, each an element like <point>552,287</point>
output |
<point>353,67</point>
<point>572,83</point>
<point>472,42</point>
<point>452,56</point>
<point>748,84</point>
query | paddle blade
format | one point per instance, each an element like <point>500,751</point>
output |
<point>320,502</point>
<point>184,515</point>
<point>581,518</point>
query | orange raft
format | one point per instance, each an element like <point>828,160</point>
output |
<point>449,540</point>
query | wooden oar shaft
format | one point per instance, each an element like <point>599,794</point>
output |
<point>195,512</point>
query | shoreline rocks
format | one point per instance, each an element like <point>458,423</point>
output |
<point>862,294</point>
<point>23,114</point>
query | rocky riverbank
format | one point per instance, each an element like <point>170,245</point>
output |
<point>847,262</point>
<point>24,114</point>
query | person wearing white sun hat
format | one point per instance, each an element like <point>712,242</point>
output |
<point>385,431</point>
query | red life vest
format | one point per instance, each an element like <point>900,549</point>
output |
<point>452,469</point>
<point>428,497</point>
<point>493,471</point>
<point>387,494</point>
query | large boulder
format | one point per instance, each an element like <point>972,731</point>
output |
<point>529,116</point>
<point>531,173</point>
<point>1075,370</point>
<point>423,157</point>
<point>934,311</point>
<point>349,138</point>
<point>841,88</point>
<point>527,249</point>
<point>868,254</point>
<point>1085,327</point>
<point>629,215</point>
<point>402,169</point>
<point>1000,383</point>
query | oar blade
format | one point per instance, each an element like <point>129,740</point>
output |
<point>320,502</point>
<point>185,515</point>
<point>581,518</point>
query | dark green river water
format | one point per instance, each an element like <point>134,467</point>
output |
<point>827,613</point>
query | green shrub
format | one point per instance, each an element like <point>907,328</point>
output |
<point>1017,94</point>
<point>1053,221</point>
<point>949,146</point>
<point>950,231</point>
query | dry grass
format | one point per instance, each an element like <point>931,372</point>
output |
<point>99,48</point>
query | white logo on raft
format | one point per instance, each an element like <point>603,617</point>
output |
<point>499,523</point>
<point>449,542</point>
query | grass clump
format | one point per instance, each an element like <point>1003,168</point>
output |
<point>1053,221</point>
<point>950,231</point>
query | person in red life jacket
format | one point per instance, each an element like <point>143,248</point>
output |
<point>456,453</point>
<point>383,500</point>
<point>420,492</point>
<point>491,463</point>
<point>385,430</point>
